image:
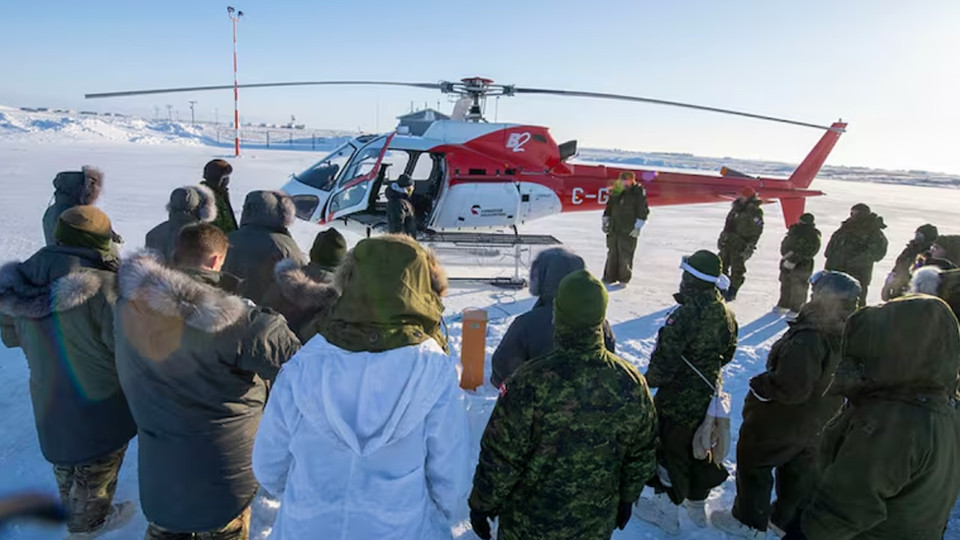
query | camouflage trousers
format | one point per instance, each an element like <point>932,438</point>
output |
<point>87,490</point>
<point>237,529</point>
<point>734,265</point>
<point>794,286</point>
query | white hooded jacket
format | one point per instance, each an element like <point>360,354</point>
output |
<point>364,445</point>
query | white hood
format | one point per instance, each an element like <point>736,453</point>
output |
<point>399,389</point>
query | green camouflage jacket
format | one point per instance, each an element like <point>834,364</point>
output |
<point>857,244</point>
<point>702,330</point>
<point>801,244</point>
<point>573,434</point>
<point>743,226</point>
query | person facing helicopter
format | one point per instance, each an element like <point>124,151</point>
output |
<point>401,218</point>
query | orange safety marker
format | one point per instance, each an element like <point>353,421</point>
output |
<point>473,348</point>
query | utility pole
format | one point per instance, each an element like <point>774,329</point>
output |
<point>170,113</point>
<point>236,91</point>
<point>193,120</point>
<point>156,113</point>
<point>216,116</point>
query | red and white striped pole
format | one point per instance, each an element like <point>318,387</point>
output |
<point>236,92</point>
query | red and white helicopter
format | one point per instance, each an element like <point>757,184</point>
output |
<point>473,175</point>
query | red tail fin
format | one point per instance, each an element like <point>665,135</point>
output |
<point>808,169</point>
<point>792,209</point>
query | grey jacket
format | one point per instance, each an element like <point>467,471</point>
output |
<point>195,362</point>
<point>531,335</point>
<point>58,307</point>
<point>199,207</point>
<point>302,294</point>
<point>261,242</point>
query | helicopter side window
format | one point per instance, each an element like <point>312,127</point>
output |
<point>362,164</point>
<point>323,174</point>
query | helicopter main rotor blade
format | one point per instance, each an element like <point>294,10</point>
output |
<point>600,95</point>
<point>429,86</point>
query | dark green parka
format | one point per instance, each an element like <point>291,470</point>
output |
<point>226,220</point>
<point>801,245</point>
<point>58,307</point>
<point>627,204</point>
<point>893,454</point>
<point>856,246</point>
<point>72,188</point>
<point>261,242</point>
<point>786,407</point>
<point>572,435</point>
<point>188,206</point>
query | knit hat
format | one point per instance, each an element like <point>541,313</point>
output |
<point>860,207</point>
<point>84,227</point>
<point>328,249</point>
<point>928,231</point>
<point>807,218</point>
<point>404,180</point>
<point>628,176</point>
<point>706,266</point>
<point>581,302</point>
<point>215,170</point>
<point>747,192</point>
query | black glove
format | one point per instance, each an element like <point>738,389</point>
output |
<point>624,511</point>
<point>480,523</point>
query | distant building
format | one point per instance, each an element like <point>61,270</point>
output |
<point>417,122</point>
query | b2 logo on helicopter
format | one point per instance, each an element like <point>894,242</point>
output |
<point>517,140</point>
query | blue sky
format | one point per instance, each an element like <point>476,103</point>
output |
<point>891,68</point>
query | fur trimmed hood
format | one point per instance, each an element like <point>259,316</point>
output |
<point>197,201</point>
<point>171,293</point>
<point>304,287</point>
<point>925,280</point>
<point>79,187</point>
<point>20,297</point>
<point>270,209</point>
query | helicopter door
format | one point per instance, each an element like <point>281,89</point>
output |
<point>353,193</point>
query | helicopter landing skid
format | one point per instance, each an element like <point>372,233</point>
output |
<point>492,240</point>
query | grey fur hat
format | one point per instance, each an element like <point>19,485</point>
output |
<point>198,201</point>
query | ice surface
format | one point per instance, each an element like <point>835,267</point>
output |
<point>139,179</point>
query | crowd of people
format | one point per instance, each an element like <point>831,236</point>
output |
<point>325,379</point>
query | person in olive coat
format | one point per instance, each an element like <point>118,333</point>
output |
<point>188,205</point>
<point>195,363</point>
<point>785,411</point>
<point>58,307</point>
<point>857,245</point>
<point>798,248</point>
<point>738,240</point>
<point>898,280</point>
<point>891,458</point>
<point>623,218</point>
<point>262,241</point>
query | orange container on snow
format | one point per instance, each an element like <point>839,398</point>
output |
<point>473,348</point>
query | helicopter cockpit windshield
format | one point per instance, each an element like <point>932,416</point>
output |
<point>323,174</point>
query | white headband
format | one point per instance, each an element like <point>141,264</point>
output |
<point>722,281</point>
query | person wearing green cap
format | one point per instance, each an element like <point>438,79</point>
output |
<point>58,306</point>
<point>698,338</point>
<point>305,294</point>
<point>365,433</point>
<point>572,438</point>
<point>798,248</point>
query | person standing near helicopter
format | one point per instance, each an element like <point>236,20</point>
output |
<point>401,218</point>
<point>624,217</point>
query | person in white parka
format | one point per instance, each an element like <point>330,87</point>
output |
<point>365,432</point>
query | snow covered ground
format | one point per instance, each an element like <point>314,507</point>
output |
<point>140,176</point>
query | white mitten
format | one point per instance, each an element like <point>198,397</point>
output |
<point>637,226</point>
<point>605,224</point>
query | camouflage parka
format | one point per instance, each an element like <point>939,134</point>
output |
<point>743,226</point>
<point>573,434</point>
<point>801,245</point>
<point>704,331</point>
